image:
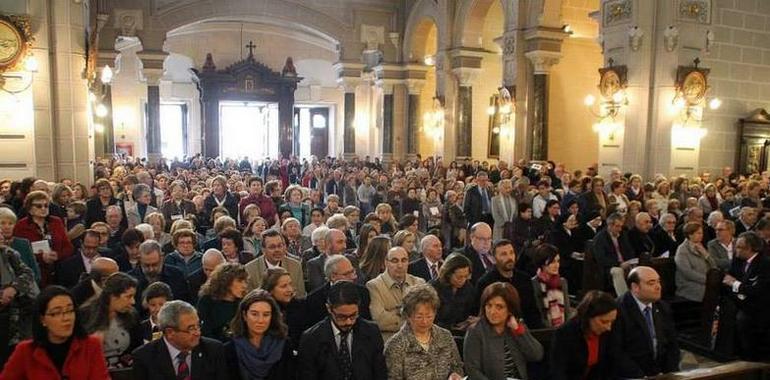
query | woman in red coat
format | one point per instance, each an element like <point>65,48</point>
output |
<point>60,347</point>
<point>39,226</point>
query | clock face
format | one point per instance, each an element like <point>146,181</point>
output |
<point>11,44</point>
<point>609,84</point>
<point>694,87</point>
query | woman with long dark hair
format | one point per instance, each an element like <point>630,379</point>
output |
<point>60,347</point>
<point>259,348</point>
<point>219,298</point>
<point>113,317</point>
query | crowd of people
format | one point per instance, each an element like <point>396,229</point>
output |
<point>357,269</point>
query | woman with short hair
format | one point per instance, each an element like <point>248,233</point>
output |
<point>456,293</point>
<point>18,244</point>
<point>420,349</point>
<point>551,291</point>
<point>500,345</point>
<point>219,298</point>
<point>693,262</point>
<point>59,344</point>
<point>259,348</point>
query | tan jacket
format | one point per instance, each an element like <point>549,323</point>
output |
<point>386,302</point>
<point>257,269</point>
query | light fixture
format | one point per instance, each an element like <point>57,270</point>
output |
<point>98,127</point>
<point>433,123</point>
<point>17,82</point>
<point>106,76</point>
<point>612,86</point>
<point>429,60</point>
<point>691,88</point>
<point>101,110</point>
<point>30,64</point>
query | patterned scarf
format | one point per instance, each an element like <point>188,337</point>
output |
<point>553,297</point>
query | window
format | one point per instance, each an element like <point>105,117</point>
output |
<point>173,130</point>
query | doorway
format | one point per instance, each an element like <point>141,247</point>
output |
<point>248,129</point>
<point>311,124</point>
<point>173,130</point>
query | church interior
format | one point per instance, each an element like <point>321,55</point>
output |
<point>412,92</point>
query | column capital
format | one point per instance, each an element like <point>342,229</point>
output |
<point>152,76</point>
<point>543,60</point>
<point>349,74</point>
<point>415,86</point>
<point>466,75</point>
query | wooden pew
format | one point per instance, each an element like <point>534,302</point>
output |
<point>729,371</point>
<point>593,273</point>
<point>122,374</point>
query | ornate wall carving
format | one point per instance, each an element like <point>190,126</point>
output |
<point>617,12</point>
<point>698,11</point>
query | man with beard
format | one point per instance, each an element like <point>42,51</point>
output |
<point>504,271</point>
<point>342,346</point>
<point>151,269</point>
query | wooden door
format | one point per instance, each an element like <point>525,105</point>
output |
<point>319,131</point>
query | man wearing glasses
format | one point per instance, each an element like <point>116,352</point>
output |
<point>151,269</point>
<point>274,255</point>
<point>343,345</point>
<point>68,272</point>
<point>336,269</point>
<point>388,289</point>
<point>182,353</point>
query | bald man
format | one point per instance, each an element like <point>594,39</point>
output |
<point>90,285</point>
<point>388,289</point>
<point>640,237</point>
<point>211,259</point>
<point>478,251</point>
<point>644,329</point>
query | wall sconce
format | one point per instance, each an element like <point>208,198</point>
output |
<point>607,128</point>
<point>501,110</point>
<point>691,87</point>
<point>433,122</point>
<point>17,63</point>
<point>612,86</point>
<point>97,95</point>
<point>429,60</point>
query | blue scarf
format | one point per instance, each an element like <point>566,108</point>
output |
<point>255,363</point>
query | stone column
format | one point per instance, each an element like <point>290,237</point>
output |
<point>349,133</point>
<point>541,62</point>
<point>387,122</point>
<point>413,118</point>
<point>153,115</point>
<point>464,111</point>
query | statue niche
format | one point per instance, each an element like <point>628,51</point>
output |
<point>248,81</point>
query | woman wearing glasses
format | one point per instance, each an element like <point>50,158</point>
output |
<point>46,233</point>
<point>259,348</point>
<point>60,347</point>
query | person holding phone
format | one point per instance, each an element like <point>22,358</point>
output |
<point>499,345</point>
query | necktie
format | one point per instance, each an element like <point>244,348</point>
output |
<point>182,370</point>
<point>651,329</point>
<point>484,201</point>
<point>506,208</point>
<point>434,271</point>
<point>617,250</point>
<point>346,366</point>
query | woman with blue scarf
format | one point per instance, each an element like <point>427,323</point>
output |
<point>259,349</point>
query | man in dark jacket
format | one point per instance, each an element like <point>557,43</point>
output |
<point>644,329</point>
<point>182,353</point>
<point>337,268</point>
<point>151,269</point>
<point>639,236</point>
<point>342,346</point>
<point>478,201</point>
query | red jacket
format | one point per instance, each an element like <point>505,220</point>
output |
<point>85,361</point>
<point>60,243</point>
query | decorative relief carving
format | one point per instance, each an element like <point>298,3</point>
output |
<point>509,45</point>
<point>709,41</point>
<point>617,11</point>
<point>671,38</point>
<point>372,36</point>
<point>694,11</point>
<point>635,35</point>
<point>128,21</point>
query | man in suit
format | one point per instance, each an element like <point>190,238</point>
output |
<point>343,345</point>
<point>639,236</point>
<point>722,248</point>
<point>113,216</point>
<point>746,220</point>
<point>429,265</point>
<point>505,271</point>
<point>335,243</point>
<point>211,260</point>
<point>152,269</point>
<point>664,236</point>
<point>388,289</point>
<point>478,250</point>
<point>337,268</point>
<point>749,281</point>
<point>177,207</point>
<point>68,271</point>
<point>612,251</point>
<point>90,286</point>
<point>182,353</point>
<point>274,255</point>
<point>126,254</point>
<point>477,203</point>
<point>644,329</point>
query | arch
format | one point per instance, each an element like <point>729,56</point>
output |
<point>176,16</point>
<point>469,24</point>
<point>415,31</point>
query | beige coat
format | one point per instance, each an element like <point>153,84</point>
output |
<point>386,302</point>
<point>257,269</point>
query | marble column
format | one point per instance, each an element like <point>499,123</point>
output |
<point>464,111</point>
<point>109,129</point>
<point>153,123</point>
<point>542,61</point>
<point>387,123</point>
<point>349,134</point>
<point>413,119</point>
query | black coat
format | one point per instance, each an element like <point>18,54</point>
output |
<point>605,253</point>
<point>663,242</point>
<point>284,369</point>
<point>318,352</point>
<point>194,282</point>
<point>231,204</point>
<point>473,207</point>
<point>641,242</point>
<point>755,286</point>
<point>315,304</point>
<point>95,211</point>
<point>455,307</point>
<point>153,361</point>
<point>476,265</point>
<point>635,356</point>
<point>420,269</point>
<point>569,354</point>
<point>69,270</point>
<point>171,275</point>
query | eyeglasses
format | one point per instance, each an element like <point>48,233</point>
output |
<point>61,313</point>
<point>275,246</point>
<point>394,260</point>
<point>343,317</point>
<point>190,330</point>
<point>482,239</point>
<point>40,205</point>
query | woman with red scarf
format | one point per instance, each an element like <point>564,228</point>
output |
<point>551,293</point>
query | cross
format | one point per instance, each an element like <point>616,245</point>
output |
<point>251,47</point>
